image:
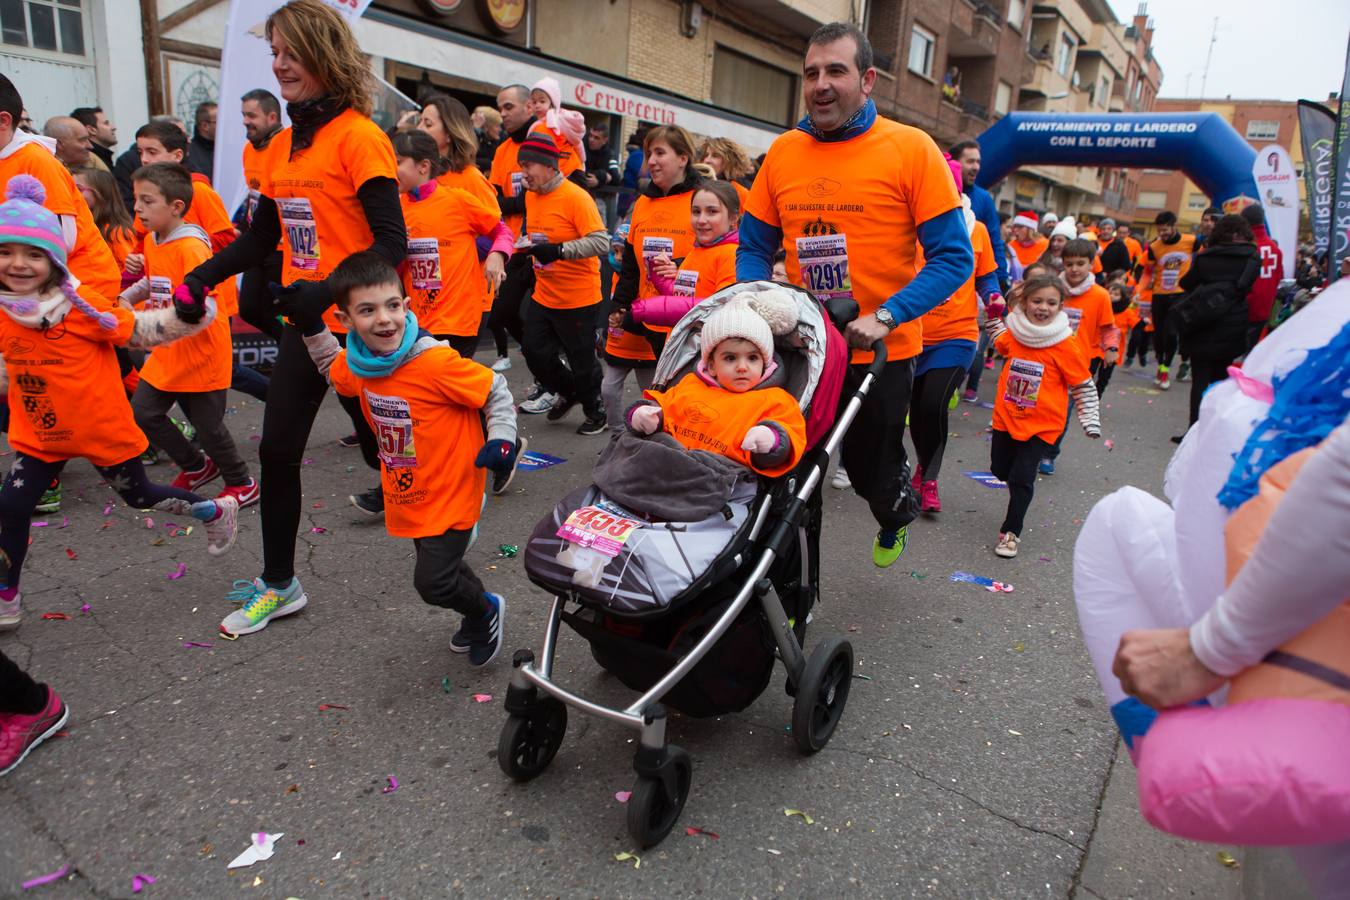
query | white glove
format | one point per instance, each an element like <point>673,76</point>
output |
<point>645,419</point>
<point>759,439</point>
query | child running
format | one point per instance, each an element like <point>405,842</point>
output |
<point>64,388</point>
<point>195,372</point>
<point>429,408</point>
<point>728,405</point>
<point>99,189</point>
<point>714,212</point>
<point>1125,316</point>
<point>1044,365</point>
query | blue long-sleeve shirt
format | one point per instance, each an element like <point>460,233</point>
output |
<point>982,205</point>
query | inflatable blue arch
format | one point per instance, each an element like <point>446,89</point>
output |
<point>1203,145</point>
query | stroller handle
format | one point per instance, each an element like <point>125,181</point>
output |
<point>878,358</point>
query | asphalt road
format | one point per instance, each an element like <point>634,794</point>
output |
<point>973,761</point>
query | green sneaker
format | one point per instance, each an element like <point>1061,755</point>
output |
<point>261,605</point>
<point>888,546</point>
<point>51,499</point>
<point>954,399</point>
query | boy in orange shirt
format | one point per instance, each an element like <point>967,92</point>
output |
<point>1044,366</point>
<point>441,421</point>
<point>1124,314</point>
<point>1088,308</point>
<point>195,373</point>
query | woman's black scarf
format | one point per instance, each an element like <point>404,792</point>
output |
<point>308,116</point>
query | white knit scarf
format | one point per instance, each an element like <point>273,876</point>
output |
<point>36,311</point>
<point>1081,289</point>
<point>1030,334</point>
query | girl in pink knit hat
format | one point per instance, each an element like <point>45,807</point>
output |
<point>568,127</point>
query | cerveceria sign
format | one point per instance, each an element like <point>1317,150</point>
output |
<point>621,103</point>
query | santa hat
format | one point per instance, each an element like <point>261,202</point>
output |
<point>1027,218</point>
<point>1066,228</point>
<point>756,318</point>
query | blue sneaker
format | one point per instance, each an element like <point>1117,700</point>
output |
<point>485,632</point>
<point>1047,467</point>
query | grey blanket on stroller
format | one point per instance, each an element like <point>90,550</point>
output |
<point>692,485</point>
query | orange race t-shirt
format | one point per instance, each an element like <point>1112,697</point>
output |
<point>65,391</point>
<point>706,270</point>
<point>204,361</point>
<point>1033,388</point>
<point>703,416</point>
<point>569,160</point>
<point>426,420</point>
<point>89,260</point>
<point>1088,313</point>
<point>656,225</point>
<point>1029,253</point>
<point>258,168</point>
<point>441,274</point>
<point>473,181</point>
<point>564,214</point>
<point>1126,321</point>
<point>958,318</point>
<point>1170,264</point>
<point>207,212</point>
<point>849,212</point>
<point>122,243</point>
<point>506,177</point>
<point>315,191</point>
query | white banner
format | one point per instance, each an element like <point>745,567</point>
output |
<point>246,64</point>
<point>1277,185</point>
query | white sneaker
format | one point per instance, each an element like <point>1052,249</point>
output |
<point>541,404</point>
<point>1007,545</point>
<point>502,364</point>
<point>840,480</point>
<point>222,530</point>
<point>11,612</point>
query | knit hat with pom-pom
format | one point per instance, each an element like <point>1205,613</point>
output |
<point>755,317</point>
<point>24,220</point>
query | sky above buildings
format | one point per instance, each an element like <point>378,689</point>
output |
<point>1283,50</point>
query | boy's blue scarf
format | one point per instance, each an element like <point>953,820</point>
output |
<point>365,364</point>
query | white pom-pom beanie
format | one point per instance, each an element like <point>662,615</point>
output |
<point>755,317</point>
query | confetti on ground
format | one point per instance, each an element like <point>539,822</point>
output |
<point>798,812</point>
<point>294,789</point>
<point>1109,444</point>
<point>445,683</point>
<point>391,786</point>
<point>337,855</point>
<point>692,831</point>
<point>141,881</point>
<point>508,551</point>
<point>1228,859</point>
<point>45,879</point>
<point>531,461</point>
<point>86,609</point>
<point>771,850</point>
<point>622,796</point>
<point>324,707</point>
<point>862,678</point>
<point>988,584</point>
<point>1044,559</point>
<point>262,848</point>
<point>1014,733</point>
<point>157,542</point>
<point>178,572</point>
<point>204,646</point>
<point>916,576</point>
<point>317,529</point>
<point>625,857</point>
<point>56,616</point>
<point>37,524</point>
<point>1020,646</point>
<point>149,522</point>
<point>72,554</point>
<point>107,510</point>
<point>987,479</point>
<point>482,698</point>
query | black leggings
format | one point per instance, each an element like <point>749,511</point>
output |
<point>29,477</point>
<point>1164,336</point>
<point>292,406</point>
<point>19,693</point>
<point>257,306</point>
<point>506,316</point>
<point>1015,462</point>
<point>1205,371</point>
<point>928,416</point>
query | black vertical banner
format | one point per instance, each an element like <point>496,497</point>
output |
<point>1317,131</point>
<point>1340,220</point>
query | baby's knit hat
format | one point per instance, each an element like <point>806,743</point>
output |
<point>756,317</point>
<point>24,220</point>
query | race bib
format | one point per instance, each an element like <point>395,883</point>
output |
<point>393,430</point>
<point>686,283</point>
<point>1075,316</point>
<point>161,293</point>
<point>1024,383</point>
<point>1146,311</point>
<point>1170,277</point>
<point>517,183</point>
<point>297,220</point>
<point>424,263</point>
<point>824,265</point>
<point>652,247</point>
<point>603,528</point>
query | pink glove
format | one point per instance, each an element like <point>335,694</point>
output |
<point>996,308</point>
<point>759,439</point>
<point>645,419</point>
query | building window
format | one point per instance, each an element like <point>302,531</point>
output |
<point>1003,98</point>
<point>883,30</point>
<point>1197,201</point>
<point>1153,199</point>
<point>1016,10</point>
<point>1263,130</point>
<point>922,49</point>
<point>56,26</point>
<point>1065,54</point>
<point>751,87</point>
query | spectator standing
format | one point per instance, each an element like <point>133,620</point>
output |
<point>1047,223</point>
<point>729,163</point>
<point>102,132</point>
<point>202,148</point>
<point>1262,296</point>
<point>487,125</point>
<point>602,166</point>
<point>73,146</point>
<point>1208,219</point>
<point>967,153</point>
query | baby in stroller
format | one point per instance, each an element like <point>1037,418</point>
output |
<point>732,403</point>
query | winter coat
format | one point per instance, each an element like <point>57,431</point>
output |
<point>1211,318</point>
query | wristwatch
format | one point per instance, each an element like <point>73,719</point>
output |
<point>883,315</point>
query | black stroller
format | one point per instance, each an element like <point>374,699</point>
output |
<point>669,611</point>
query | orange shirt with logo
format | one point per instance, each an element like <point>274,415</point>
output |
<point>207,212</point>
<point>1088,313</point>
<point>425,415</point>
<point>204,361</point>
<point>706,270</point>
<point>657,225</point>
<point>441,274</point>
<point>564,214</point>
<point>1170,264</point>
<point>850,211</point>
<point>89,260</point>
<point>65,391</point>
<point>472,180</point>
<point>958,317</point>
<point>315,191</point>
<point>703,416</point>
<point>1033,388</point>
<point>506,177</point>
<point>258,168</point>
<point>1029,253</point>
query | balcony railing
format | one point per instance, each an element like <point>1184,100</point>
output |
<point>971,108</point>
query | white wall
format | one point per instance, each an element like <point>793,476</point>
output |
<point>49,88</point>
<point>115,32</point>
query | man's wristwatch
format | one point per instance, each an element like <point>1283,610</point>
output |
<point>883,315</point>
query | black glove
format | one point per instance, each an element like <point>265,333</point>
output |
<point>497,455</point>
<point>545,253</point>
<point>189,305</point>
<point>303,302</point>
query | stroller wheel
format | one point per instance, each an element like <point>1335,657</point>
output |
<point>822,694</point>
<point>654,809</point>
<point>528,743</point>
